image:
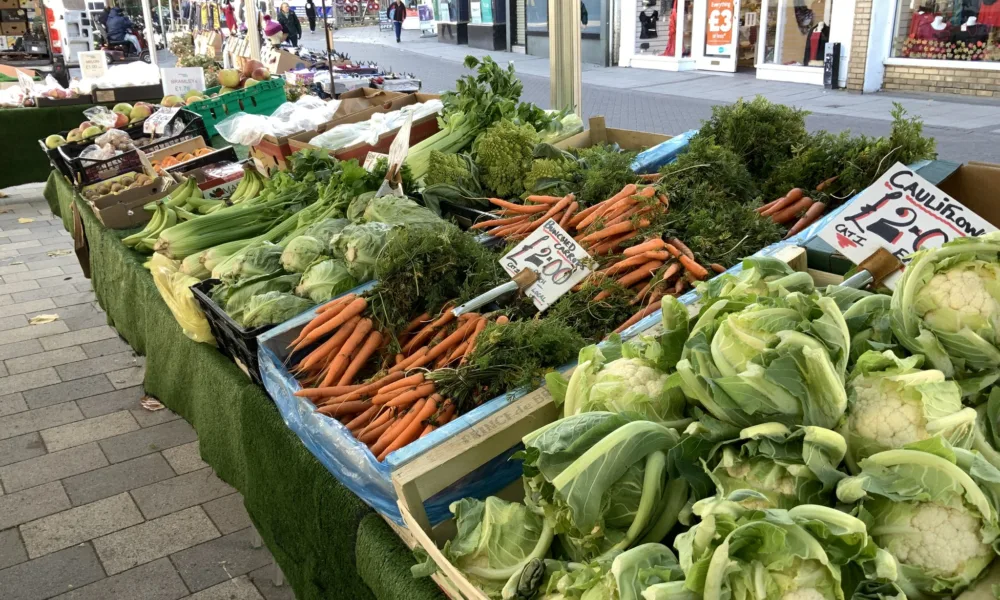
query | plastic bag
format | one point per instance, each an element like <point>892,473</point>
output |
<point>348,134</point>
<point>127,75</point>
<point>243,128</point>
<point>306,114</point>
<point>50,88</point>
<point>117,139</point>
<point>101,115</point>
<point>95,152</point>
<point>175,288</point>
<point>12,97</point>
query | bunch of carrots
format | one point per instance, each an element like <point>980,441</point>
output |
<point>600,228</point>
<point>654,268</point>
<point>796,209</point>
<point>397,405</point>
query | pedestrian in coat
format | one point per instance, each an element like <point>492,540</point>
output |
<point>311,15</point>
<point>290,24</point>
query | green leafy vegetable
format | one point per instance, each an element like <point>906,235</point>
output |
<point>324,280</point>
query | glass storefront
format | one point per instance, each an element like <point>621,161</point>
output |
<point>658,29</point>
<point>796,32</point>
<point>964,30</point>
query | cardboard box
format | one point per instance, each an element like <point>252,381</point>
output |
<point>301,140</point>
<point>598,133</point>
<point>218,181</point>
<point>362,99</point>
<point>9,5</point>
<point>278,61</point>
<point>124,210</point>
<point>15,29</point>
<point>186,147</point>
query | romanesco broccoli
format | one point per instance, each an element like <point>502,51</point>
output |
<point>503,154</point>
<point>446,168</point>
<point>550,168</point>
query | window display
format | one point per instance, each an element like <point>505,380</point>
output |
<point>966,30</point>
<point>797,32</point>
<point>657,27</point>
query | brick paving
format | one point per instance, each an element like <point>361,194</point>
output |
<point>100,499</point>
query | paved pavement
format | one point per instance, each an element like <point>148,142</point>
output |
<point>100,499</point>
<point>666,102</point>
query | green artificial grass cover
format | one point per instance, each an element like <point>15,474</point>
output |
<point>328,542</point>
<point>22,158</point>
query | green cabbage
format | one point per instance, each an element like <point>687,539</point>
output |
<point>947,305</point>
<point>360,246</point>
<point>626,576</point>
<point>301,252</point>
<point>273,307</point>
<point>760,276</point>
<point>324,280</point>
<point>262,258</point>
<point>234,298</point>
<point>399,211</point>
<point>777,359</point>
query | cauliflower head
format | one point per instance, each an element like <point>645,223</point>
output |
<point>947,305</point>
<point>932,508</point>
<point>625,385</point>
<point>503,155</point>
<point>892,403</point>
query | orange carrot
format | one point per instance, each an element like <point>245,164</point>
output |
<point>345,408</point>
<point>384,416</point>
<point>413,358</point>
<point>827,183</point>
<point>641,273</point>
<point>363,419</point>
<point>502,320</point>
<point>370,436</point>
<point>519,208</point>
<point>614,230</point>
<point>427,332</point>
<point>626,191</point>
<point>583,214</point>
<point>632,262</point>
<point>390,435</point>
<point>413,428</point>
<point>423,360</point>
<point>415,323</point>
<point>384,397</point>
<point>446,413</point>
<point>329,346</point>
<point>564,221</point>
<point>787,214</point>
<point>812,213</point>
<point>353,309</point>
<point>321,317</point>
<point>343,358</point>
<point>336,302</point>
<point>601,296</point>
<point>452,340</point>
<point>428,429</point>
<point>677,243</point>
<point>777,205</point>
<point>717,268</point>
<point>459,351</point>
<point>411,396</point>
<point>367,389</point>
<point>406,382</point>
<point>498,222</point>
<point>652,245</point>
<point>326,392</point>
<point>556,208</point>
<point>480,326</point>
<point>544,199</point>
<point>698,271</point>
<point>367,350</point>
<point>650,176</point>
<point>761,209</point>
<point>650,309</point>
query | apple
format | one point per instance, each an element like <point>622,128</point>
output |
<point>250,82</point>
<point>84,125</point>
<point>54,141</point>
<point>229,78</point>
<point>91,131</point>
<point>225,90</point>
<point>194,99</point>
<point>192,94</point>
<point>170,101</point>
<point>250,66</point>
<point>260,74</point>
<point>123,108</point>
<point>121,119</point>
<point>139,112</point>
<point>74,135</point>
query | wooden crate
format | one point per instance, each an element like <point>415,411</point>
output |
<point>446,463</point>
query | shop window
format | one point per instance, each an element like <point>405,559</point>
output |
<point>657,27</point>
<point>967,30</point>
<point>797,32</point>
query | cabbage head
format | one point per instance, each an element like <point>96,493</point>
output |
<point>758,276</point>
<point>623,378</point>
<point>234,298</point>
<point>496,539</point>
<point>785,468</point>
<point>774,359</point>
<point>892,402</point>
<point>933,508</point>
<point>360,246</point>
<point>795,554</point>
<point>624,577</point>
<point>271,308</point>
<point>301,252</point>
<point>600,478</point>
<point>399,211</point>
<point>260,258</point>
<point>324,280</point>
<point>947,305</point>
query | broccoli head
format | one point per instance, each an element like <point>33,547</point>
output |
<point>503,155</point>
<point>446,168</point>
<point>551,169</point>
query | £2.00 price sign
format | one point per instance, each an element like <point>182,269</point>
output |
<point>555,257</point>
<point>902,213</point>
<point>720,19</point>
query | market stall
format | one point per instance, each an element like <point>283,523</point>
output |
<point>429,285</point>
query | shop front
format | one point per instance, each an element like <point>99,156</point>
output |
<point>782,40</point>
<point>943,46</point>
<point>595,29</point>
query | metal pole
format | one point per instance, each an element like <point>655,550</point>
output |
<point>564,55</point>
<point>147,16</point>
<point>253,33</point>
<point>328,34</point>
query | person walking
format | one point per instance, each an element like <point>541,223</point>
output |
<point>396,13</point>
<point>230,15</point>
<point>290,24</point>
<point>311,15</point>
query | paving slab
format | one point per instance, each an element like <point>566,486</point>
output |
<point>51,574</point>
<point>12,403</point>
<point>52,467</point>
<point>117,478</point>
<point>22,447</point>
<point>28,505</point>
<point>240,588</point>
<point>71,390</point>
<point>111,401</point>
<point>38,419</point>
<point>79,524</point>
<point>153,581</point>
<point>12,550</point>
<point>51,358</point>
<point>265,580</point>
<point>185,459</point>
<point>28,381</point>
<point>228,513</point>
<point>148,440</point>
<point>146,542</point>
<point>223,558</point>
<point>89,430</point>
<point>177,493</point>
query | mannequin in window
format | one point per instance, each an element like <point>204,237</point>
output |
<point>647,21</point>
<point>937,29</point>
<point>972,31</point>
<point>816,43</point>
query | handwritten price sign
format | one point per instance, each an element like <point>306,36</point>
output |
<point>902,213</point>
<point>555,257</point>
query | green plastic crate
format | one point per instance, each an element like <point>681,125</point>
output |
<point>260,99</point>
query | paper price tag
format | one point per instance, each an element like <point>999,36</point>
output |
<point>902,213</point>
<point>555,257</point>
<point>93,63</point>
<point>157,122</point>
<point>372,159</point>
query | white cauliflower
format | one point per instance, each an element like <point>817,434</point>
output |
<point>939,539</point>
<point>963,291</point>
<point>804,594</point>
<point>642,378</point>
<point>625,385</point>
<point>777,481</point>
<point>881,414</point>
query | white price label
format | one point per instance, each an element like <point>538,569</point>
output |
<point>372,159</point>
<point>179,81</point>
<point>157,122</point>
<point>93,63</point>
<point>902,213</point>
<point>555,257</point>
